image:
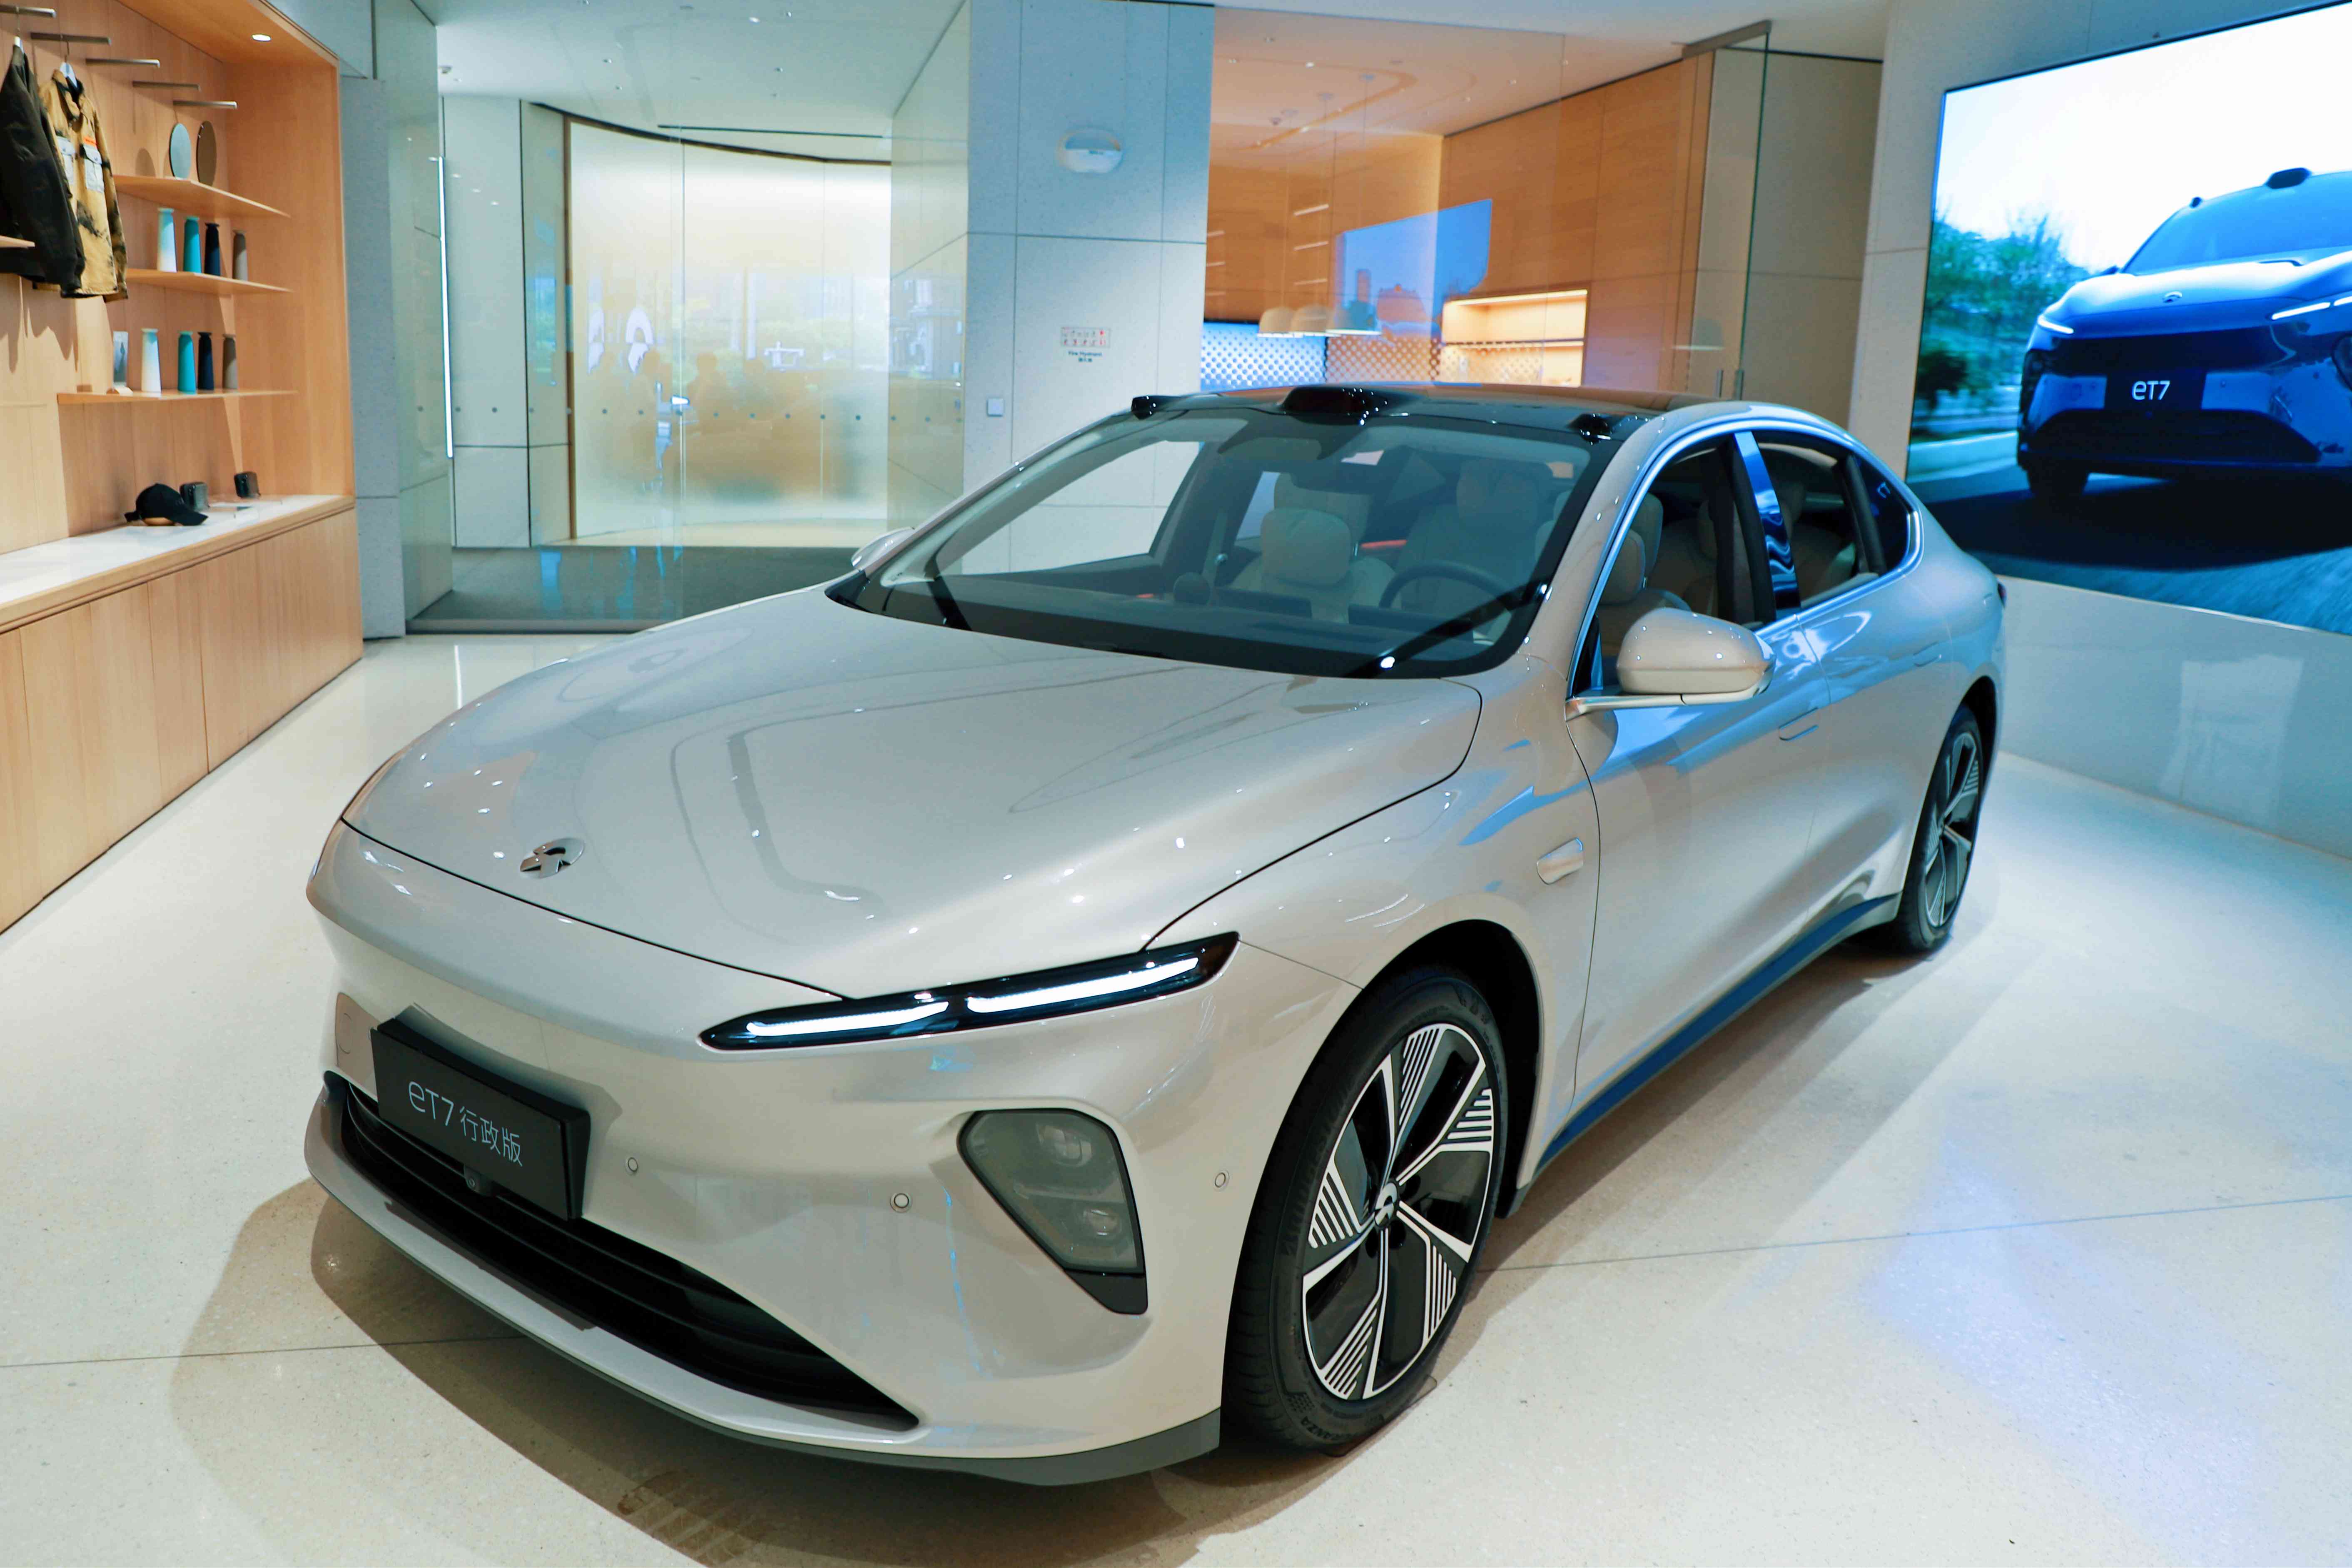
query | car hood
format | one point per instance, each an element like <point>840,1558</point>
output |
<point>863,805</point>
<point>2226,294</point>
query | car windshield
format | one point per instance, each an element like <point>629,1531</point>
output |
<point>2246,226</point>
<point>1410,542</point>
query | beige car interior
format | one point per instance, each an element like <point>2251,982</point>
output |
<point>1494,525</point>
<point>1627,596</point>
<point>1309,553</point>
<point>1825,557</point>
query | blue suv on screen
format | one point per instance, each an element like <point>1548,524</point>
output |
<point>2223,344</point>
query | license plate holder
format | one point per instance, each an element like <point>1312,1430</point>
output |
<point>2168,392</point>
<point>501,1132</point>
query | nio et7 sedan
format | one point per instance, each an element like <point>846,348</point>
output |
<point>2223,345</point>
<point>1095,973</point>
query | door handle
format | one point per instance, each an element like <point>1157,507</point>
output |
<point>1804,723</point>
<point>1568,858</point>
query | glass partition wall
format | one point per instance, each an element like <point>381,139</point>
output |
<point>718,346</point>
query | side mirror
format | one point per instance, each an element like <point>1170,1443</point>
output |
<point>1672,658</point>
<point>873,549</point>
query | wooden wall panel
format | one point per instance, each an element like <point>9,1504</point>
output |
<point>176,645</point>
<point>1600,191</point>
<point>20,883</point>
<point>228,599</point>
<point>89,698</point>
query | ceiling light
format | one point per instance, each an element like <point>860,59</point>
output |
<point>260,38</point>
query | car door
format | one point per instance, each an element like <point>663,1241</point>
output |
<point>1704,812</point>
<point>1876,640</point>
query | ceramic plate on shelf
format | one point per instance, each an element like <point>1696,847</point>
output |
<point>181,154</point>
<point>207,153</point>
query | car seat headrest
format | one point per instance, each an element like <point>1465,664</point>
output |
<point>1790,475</point>
<point>1630,575</point>
<point>1650,525</point>
<point>1306,546</point>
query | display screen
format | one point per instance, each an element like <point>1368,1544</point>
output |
<point>2135,365</point>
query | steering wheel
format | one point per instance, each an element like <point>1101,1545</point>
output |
<point>1495,587</point>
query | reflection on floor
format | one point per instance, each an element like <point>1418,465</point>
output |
<point>2034,1251</point>
<point>626,588</point>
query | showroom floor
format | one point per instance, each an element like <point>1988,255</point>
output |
<point>2037,1251</point>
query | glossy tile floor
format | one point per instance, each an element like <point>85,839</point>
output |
<point>2039,1251</point>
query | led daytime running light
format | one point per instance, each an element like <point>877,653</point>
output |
<point>856,1023</point>
<point>1082,990</point>
<point>1078,988</point>
<point>2043,320</point>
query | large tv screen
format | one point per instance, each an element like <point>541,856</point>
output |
<point>2135,360</point>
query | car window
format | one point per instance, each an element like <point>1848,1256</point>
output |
<point>1390,544</point>
<point>2313,215</point>
<point>1890,511</point>
<point>1686,547</point>
<point>1832,542</point>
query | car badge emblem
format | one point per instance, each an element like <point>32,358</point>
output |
<point>550,857</point>
<point>2173,298</point>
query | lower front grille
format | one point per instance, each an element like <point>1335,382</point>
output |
<point>630,1291</point>
<point>2239,348</point>
<point>2183,439</point>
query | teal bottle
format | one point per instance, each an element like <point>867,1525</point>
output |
<point>187,362</point>
<point>191,246</point>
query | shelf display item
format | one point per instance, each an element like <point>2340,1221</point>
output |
<point>207,154</point>
<point>228,364</point>
<point>35,204</point>
<point>167,240</point>
<point>204,361</point>
<point>212,250</point>
<point>80,141</point>
<point>179,152</point>
<point>121,362</point>
<point>238,263</point>
<point>248,486</point>
<point>160,505</point>
<point>191,246</point>
<point>151,364</point>
<point>187,362</point>
<point>197,495</point>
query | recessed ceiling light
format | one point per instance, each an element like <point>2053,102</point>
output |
<point>260,38</point>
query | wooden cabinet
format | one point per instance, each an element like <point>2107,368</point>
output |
<point>112,707</point>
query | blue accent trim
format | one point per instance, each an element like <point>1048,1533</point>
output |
<point>1731,1004</point>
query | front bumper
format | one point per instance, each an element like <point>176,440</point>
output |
<point>775,1173</point>
<point>2266,405</point>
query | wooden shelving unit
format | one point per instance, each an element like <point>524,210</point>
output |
<point>123,684</point>
<point>155,399</point>
<point>198,283</point>
<point>188,196</point>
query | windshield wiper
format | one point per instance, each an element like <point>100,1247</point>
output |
<point>1468,620</point>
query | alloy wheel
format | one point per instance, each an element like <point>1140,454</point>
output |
<point>1952,819</point>
<point>1404,1196</point>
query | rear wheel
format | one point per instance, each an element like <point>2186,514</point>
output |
<point>1946,845</point>
<point>1372,1216</point>
<point>2055,483</point>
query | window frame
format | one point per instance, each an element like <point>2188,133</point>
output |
<point>1852,458</point>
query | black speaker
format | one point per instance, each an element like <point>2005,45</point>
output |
<point>248,485</point>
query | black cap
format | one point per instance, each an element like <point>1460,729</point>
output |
<point>163,500</point>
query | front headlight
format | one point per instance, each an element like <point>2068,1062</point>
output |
<point>1016,999</point>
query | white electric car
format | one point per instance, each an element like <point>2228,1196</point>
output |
<point>1092,976</point>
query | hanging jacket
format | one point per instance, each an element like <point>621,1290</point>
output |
<point>81,153</point>
<point>35,203</point>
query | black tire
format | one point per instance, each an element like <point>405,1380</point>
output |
<point>1352,1276</point>
<point>1944,848</point>
<point>2056,484</point>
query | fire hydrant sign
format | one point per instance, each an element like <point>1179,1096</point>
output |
<point>1084,345</point>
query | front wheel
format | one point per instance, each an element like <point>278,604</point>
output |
<point>2056,484</point>
<point>1372,1216</point>
<point>1946,845</point>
